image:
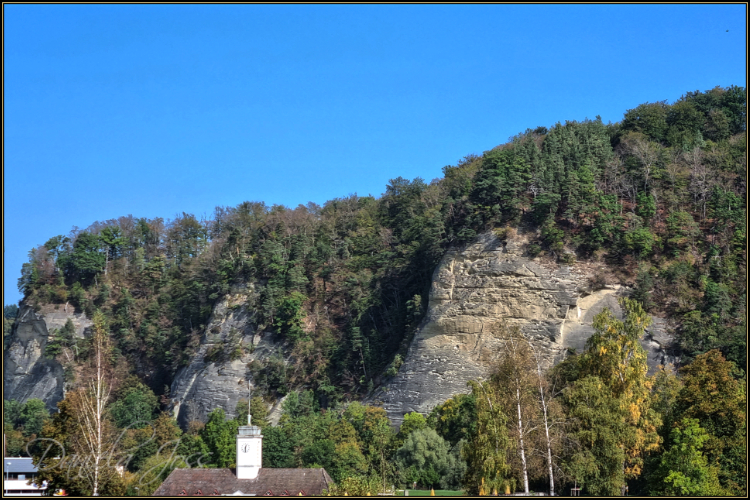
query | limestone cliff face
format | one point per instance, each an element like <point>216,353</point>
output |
<point>474,288</point>
<point>218,375</point>
<point>27,374</point>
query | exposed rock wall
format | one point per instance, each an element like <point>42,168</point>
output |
<point>205,385</point>
<point>196,389</point>
<point>27,373</point>
<point>473,289</point>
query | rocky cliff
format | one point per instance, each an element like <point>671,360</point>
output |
<point>218,375</point>
<point>27,373</point>
<point>488,282</point>
<point>475,287</point>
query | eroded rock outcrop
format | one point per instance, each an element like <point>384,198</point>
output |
<point>27,373</point>
<point>477,287</point>
<point>218,375</point>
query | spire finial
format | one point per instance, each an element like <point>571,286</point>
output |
<point>249,397</point>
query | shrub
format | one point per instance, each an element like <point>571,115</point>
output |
<point>533,250</point>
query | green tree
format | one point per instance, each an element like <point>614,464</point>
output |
<point>9,318</point>
<point>319,454</point>
<point>87,259</point>
<point>12,412</point>
<point>485,454</point>
<point>135,407</point>
<point>194,450</point>
<point>684,470</point>
<point>15,442</point>
<point>278,450</point>
<point>711,395</point>
<point>644,283</point>
<point>499,186</point>
<point>640,241</point>
<point>455,419</point>
<point>617,362</point>
<point>412,421</point>
<point>166,429</point>
<point>682,232</point>
<point>290,316</point>
<point>220,435</point>
<point>685,124</point>
<point>152,472</point>
<point>356,486</point>
<point>30,276</point>
<point>648,118</point>
<point>62,339</point>
<point>426,458</point>
<point>257,409</point>
<point>666,388</point>
<point>139,444</point>
<point>112,242</point>
<point>348,459</point>
<point>376,437</point>
<point>598,429</point>
<point>645,206</point>
<point>32,416</point>
<point>10,311</point>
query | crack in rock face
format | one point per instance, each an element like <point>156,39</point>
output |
<point>474,289</point>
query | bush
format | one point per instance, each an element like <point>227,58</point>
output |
<point>567,258</point>
<point>392,370</point>
<point>213,354</point>
<point>236,353</point>
<point>597,282</point>
<point>533,250</point>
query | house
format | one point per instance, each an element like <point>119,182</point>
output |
<point>268,482</point>
<point>249,478</point>
<point>17,472</point>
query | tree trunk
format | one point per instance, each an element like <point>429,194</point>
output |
<point>549,444</point>
<point>546,424</point>
<point>520,438</point>
<point>91,408</point>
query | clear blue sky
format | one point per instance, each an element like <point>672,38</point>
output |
<point>152,110</point>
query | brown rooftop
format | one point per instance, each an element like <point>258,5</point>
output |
<point>270,482</point>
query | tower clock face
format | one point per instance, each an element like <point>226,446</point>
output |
<point>245,448</point>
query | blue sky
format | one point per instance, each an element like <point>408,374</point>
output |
<point>152,110</point>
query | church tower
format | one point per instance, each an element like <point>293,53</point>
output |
<point>249,450</point>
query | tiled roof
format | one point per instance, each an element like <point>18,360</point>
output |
<point>18,465</point>
<point>270,482</point>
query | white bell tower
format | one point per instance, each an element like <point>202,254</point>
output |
<point>249,449</point>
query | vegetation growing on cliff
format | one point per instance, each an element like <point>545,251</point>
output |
<point>660,197</point>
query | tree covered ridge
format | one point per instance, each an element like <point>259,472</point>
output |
<point>596,420</point>
<point>659,196</point>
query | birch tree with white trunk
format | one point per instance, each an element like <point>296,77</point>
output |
<point>514,383</point>
<point>94,430</point>
<point>521,380</point>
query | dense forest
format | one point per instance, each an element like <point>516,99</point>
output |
<point>659,197</point>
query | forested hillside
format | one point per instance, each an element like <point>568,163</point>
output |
<point>659,198</point>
